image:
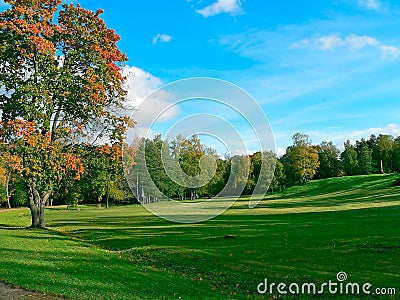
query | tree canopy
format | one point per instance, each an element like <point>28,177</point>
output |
<point>62,85</point>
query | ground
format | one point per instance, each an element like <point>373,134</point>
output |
<point>307,233</point>
<point>7,292</point>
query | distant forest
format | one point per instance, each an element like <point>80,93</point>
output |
<point>103,179</point>
<point>240,174</point>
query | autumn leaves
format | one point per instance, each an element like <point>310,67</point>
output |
<point>62,87</point>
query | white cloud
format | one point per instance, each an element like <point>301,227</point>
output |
<point>139,84</point>
<point>389,51</point>
<point>352,42</point>
<point>232,7</point>
<point>391,129</point>
<point>339,138</point>
<point>371,4</point>
<point>280,151</point>
<point>335,135</point>
<point>328,42</point>
<point>145,104</point>
<point>162,37</point>
<point>355,42</point>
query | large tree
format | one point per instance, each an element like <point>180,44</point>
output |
<point>385,147</point>
<point>329,160</point>
<point>396,155</point>
<point>303,157</point>
<point>364,157</point>
<point>349,159</point>
<point>62,84</point>
<point>262,172</point>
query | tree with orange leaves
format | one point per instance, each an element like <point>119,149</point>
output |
<point>62,85</point>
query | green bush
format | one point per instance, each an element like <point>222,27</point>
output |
<point>3,196</point>
<point>396,182</point>
<point>19,197</point>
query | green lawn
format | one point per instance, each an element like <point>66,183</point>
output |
<point>305,234</point>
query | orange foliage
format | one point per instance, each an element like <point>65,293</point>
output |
<point>32,19</point>
<point>114,152</point>
<point>75,164</point>
<point>39,154</point>
<point>18,128</point>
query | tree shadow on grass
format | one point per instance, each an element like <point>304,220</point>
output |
<point>75,270</point>
<point>11,227</point>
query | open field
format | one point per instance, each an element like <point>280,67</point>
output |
<point>305,234</point>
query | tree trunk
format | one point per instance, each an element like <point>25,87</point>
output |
<point>108,194</point>
<point>37,204</point>
<point>37,213</point>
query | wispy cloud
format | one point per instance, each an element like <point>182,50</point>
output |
<point>391,129</point>
<point>371,4</point>
<point>233,7</point>
<point>291,76</point>
<point>339,138</point>
<point>352,42</point>
<point>336,135</point>
<point>139,84</point>
<point>162,37</point>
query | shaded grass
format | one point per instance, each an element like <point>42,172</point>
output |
<point>126,253</point>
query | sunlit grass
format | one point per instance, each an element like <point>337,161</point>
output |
<point>306,233</point>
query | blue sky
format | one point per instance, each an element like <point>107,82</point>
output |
<point>327,68</point>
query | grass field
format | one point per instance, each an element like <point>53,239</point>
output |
<point>305,234</point>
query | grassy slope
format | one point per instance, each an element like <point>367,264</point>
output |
<point>307,233</point>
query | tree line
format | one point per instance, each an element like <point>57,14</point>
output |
<point>378,154</point>
<point>240,174</point>
<point>155,168</point>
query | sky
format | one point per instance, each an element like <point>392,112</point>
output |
<point>326,68</point>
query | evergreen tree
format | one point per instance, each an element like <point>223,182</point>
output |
<point>364,157</point>
<point>349,159</point>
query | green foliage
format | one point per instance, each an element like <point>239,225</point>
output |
<point>3,196</point>
<point>20,196</point>
<point>349,159</point>
<point>62,82</point>
<point>364,157</point>
<point>396,155</point>
<point>279,180</point>
<point>240,168</point>
<point>241,174</point>
<point>328,156</point>
<point>385,145</point>
<point>266,172</point>
<point>396,182</point>
<point>303,158</point>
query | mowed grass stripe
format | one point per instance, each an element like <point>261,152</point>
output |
<point>126,253</point>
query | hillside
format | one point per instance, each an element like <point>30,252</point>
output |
<point>307,233</point>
